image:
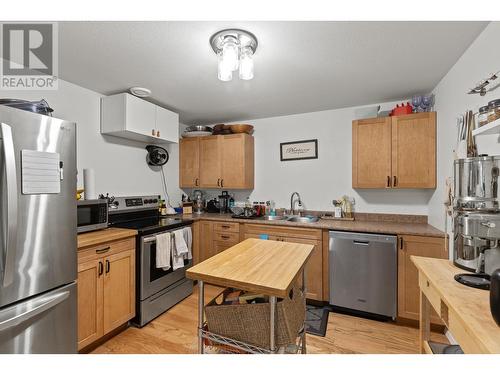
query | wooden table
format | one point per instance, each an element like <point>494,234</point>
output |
<point>261,266</point>
<point>464,310</point>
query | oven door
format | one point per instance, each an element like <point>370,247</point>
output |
<point>153,279</point>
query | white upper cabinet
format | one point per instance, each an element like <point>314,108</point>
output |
<point>126,116</point>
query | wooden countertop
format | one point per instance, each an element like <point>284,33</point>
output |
<point>261,266</point>
<point>471,306</point>
<point>104,235</point>
<point>384,227</point>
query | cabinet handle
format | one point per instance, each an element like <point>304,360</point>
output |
<point>395,182</point>
<point>108,266</point>
<point>222,183</point>
<point>196,182</point>
<point>101,268</point>
<point>388,181</point>
<point>225,237</point>
<point>103,250</point>
<point>401,243</point>
<point>218,182</point>
<point>225,226</point>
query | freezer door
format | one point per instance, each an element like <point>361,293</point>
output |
<point>363,272</point>
<point>38,231</point>
<point>41,324</point>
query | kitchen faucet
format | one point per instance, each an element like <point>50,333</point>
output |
<point>292,210</point>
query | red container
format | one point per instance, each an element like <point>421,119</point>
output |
<point>403,109</point>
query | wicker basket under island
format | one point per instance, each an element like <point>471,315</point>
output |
<point>271,324</point>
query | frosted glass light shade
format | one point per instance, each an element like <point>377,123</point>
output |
<point>230,52</point>
<point>224,73</point>
<point>246,64</point>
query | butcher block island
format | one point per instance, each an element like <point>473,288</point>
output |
<point>270,270</point>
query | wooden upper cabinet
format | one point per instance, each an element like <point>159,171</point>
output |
<point>218,162</point>
<point>394,152</point>
<point>237,161</point>
<point>210,162</point>
<point>414,150</point>
<point>408,289</point>
<point>189,162</point>
<point>371,153</point>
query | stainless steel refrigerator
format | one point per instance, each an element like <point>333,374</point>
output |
<point>38,266</point>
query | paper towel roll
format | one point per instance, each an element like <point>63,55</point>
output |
<point>89,183</point>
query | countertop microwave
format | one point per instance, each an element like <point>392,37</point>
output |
<point>92,215</point>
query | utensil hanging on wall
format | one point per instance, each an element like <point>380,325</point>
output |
<point>471,142</point>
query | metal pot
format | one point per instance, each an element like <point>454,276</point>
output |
<point>477,183</point>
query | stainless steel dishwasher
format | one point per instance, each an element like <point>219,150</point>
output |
<point>363,272</point>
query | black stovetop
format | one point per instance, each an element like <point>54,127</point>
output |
<point>149,225</point>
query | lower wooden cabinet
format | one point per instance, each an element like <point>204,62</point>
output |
<point>314,267</point>
<point>215,237</point>
<point>106,289</point>
<point>408,289</point>
<point>119,289</point>
<point>90,309</point>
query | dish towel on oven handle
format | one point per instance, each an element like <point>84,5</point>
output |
<point>163,250</point>
<point>180,249</point>
<point>188,237</point>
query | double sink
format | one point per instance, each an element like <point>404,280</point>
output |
<point>293,219</point>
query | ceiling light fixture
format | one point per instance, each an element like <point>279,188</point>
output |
<point>234,49</point>
<point>141,92</point>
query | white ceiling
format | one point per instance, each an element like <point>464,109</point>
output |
<point>299,66</point>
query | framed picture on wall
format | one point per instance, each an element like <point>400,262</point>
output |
<point>299,150</point>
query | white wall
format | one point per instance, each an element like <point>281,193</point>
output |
<point>478,61</point>
<point>120,165</point>
<point>321,180</point>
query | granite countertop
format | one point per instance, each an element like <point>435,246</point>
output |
<point>369,226</point>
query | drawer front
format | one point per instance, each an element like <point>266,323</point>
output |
<point>105,249</point>
<point>227,227</point>
<point>220,246</point>
<point>431,294</point>
<point>296,232</point>
<point>227,237</point>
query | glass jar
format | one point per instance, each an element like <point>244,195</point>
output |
<point>482,117</point>
<point>494,110</point>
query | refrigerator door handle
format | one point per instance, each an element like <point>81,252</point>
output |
<point>11,178</point>
<point>12,317</point>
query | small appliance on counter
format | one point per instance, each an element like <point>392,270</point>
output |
<point>213,206</point>
<point>198,202</point>
<point>224,202</point>
<point>476,223</point>
<point>92,214</point>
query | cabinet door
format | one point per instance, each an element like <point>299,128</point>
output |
<point>119,289</point>
<point>167,124</point>
<point>237,153</point>
<point>210,162</point>
<point>140,116</point>
<point>414,151</point>
<point>314,268</point>
<point>408,290</point>
<point>206,235</point>
<point>90,301</point>
<point>189,162</point>
<point>371,153</point>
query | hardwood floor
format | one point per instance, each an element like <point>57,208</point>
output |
<point>175,332</point>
